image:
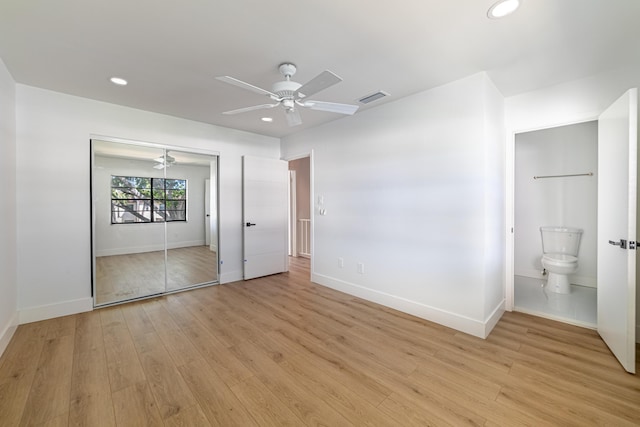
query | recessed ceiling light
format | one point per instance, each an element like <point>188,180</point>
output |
<point>267,119</point>
<point>118,81</point>
<point>503,8</point>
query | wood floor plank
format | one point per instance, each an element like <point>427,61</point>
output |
<point>217,355</point>
<point>20,361</point>
<point>123,364</point>
<point>331,365</point>
<point>219,404</point>
<point>263,405</point>
<point>49,394</point>
<point>175,342</point>
<point>190,417</point>
<point>91,402</point>
<point>301,401</point>
<point>137,319</point>
<point>167,385</point>
<point>135,406</point>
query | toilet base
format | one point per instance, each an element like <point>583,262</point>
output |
<point>558,283</point>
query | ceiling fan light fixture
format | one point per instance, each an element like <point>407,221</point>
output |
<point>503,8</point>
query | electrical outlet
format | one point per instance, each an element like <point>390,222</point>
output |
<point>360,268</point>
<point>341,262</point>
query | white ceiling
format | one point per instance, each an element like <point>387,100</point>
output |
<point>171,51</point>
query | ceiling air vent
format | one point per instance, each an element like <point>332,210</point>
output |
<point>373,97</point>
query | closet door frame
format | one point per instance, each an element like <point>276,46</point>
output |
<point>214,174</point>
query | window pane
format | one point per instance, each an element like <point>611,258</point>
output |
<point>176,194</point>
<point>158,183</point>
<point>176,215</point>
<point>176,205</point>
<point>130,181</point>
<point>176,184</point>
<point>124,212</point>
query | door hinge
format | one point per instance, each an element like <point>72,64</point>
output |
<point>632,244</point>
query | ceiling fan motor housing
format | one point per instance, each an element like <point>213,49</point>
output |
<point>285,89</point>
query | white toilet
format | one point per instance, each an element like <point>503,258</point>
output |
<point>560,247</point>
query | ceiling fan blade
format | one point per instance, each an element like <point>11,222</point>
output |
<point>320,82</point>
<point>255,107</point>
<point>293,117</point>
<point>332,107</point>
<point>247,86</point>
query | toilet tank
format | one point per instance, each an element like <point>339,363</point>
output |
<point>560,240</point>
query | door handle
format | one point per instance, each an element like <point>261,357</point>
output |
<point>622,243</point>
<point>249,224</point>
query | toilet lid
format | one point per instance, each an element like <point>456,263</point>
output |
<point>560,257</point>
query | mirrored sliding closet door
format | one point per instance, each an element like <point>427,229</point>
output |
<point>154,220</point>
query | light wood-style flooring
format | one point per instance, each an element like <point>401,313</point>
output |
<point>281,351</point>
<point>130,276</point>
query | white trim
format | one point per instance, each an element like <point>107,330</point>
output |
<point>544,315</point>
<point>452,320</point>
<point>312,198</point>
<point>149,248</point>
<point>7,333</point>
<point>493,318</point>
<point>49,311</point>
<point>158,145</point>
<point>293,214</point>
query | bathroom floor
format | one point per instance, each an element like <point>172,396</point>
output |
<point>577,308</point>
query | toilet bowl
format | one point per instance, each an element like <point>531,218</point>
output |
<point>560,247</point>
<point>559,267</point>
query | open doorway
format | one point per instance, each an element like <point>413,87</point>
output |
<point>300,236</point>
<point>555,179</point>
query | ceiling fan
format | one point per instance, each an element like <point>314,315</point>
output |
<point>164,161</point>
<point>290,95</point>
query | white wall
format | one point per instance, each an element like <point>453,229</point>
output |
<point>116,239</point>
<point>571,201</point>
<point>53,169</point>
<point>570,102</point>
<point>414,191</point>
<point>8,274</point>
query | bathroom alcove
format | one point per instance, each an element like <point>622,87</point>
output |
<point>559,200</point>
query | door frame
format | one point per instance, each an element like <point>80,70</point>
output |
<point>510,160</point>
<point>293,215</point>
<point>312,198</point>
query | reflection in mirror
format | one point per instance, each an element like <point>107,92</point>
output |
<point>191,255</point>
<point>149,221</point>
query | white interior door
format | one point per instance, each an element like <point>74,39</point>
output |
<point>617,198</point>
<point>265,216</point>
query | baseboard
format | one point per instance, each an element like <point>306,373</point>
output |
<point>452,320</point>
<point>49,311</point>
<point>7,332</point>
<point>147,248</point>
<point>494,318</point>
<point>575,279</point>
